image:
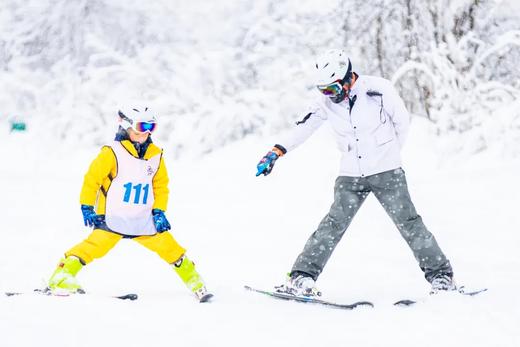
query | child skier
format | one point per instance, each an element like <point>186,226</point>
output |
<point>128,184</point>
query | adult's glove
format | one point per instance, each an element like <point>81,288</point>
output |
<point>265,166</point>
<point>160,221</point>
<point>89,216</point>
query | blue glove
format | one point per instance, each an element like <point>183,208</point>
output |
<point>265,166</point>
<point>89,216</point>
<point>160,221</point>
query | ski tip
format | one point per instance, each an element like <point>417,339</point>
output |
<point>206,298</point>
<point>405,302</point>
<point>364,303</point>
<point>130,297</point>
<point>12,293</point>
<point>463,291</point>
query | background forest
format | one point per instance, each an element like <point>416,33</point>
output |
<point>217,71</point>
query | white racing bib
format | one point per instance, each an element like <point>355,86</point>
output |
<point>130,197</point>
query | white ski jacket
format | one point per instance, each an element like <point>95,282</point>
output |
<point>370,127</point>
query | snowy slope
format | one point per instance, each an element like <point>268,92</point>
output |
<point>246,230</point>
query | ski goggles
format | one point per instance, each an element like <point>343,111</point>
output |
<point>139,126</point>
<point>332,89</point>
<point>143,127</point>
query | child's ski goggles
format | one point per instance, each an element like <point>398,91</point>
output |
<point>139,126</point>
<point>332,89</point>
<point>143,127</point>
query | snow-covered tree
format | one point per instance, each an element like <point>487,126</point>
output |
<point>219,71</point>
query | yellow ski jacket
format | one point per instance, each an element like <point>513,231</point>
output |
<point>104,169</point>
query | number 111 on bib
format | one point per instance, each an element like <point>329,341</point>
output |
<point>130,188</point>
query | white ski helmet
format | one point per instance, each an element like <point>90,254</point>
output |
<point>333,66</point>
<point>138,117</point>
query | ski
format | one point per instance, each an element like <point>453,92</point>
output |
<point>461,290</point>
<point>47,292</point>
<point>309,300</point>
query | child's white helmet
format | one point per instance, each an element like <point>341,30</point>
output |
<point>138,117</point>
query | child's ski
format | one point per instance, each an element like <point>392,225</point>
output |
<point>461,290</point>
<point>309,300</point>
<point>46,291</point>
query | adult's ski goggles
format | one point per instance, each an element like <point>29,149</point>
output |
<point>332,89</point>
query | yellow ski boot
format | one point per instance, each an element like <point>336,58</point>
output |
<point>185,268</point>
<point>63,280</point>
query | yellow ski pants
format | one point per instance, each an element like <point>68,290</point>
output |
<point>99,242</point>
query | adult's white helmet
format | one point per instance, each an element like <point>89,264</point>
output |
<point>333,72</point>
<point>332,66</point>
<point>138,117</point>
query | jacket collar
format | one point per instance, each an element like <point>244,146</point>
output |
<point>144,150</point>
<point>355,86</point>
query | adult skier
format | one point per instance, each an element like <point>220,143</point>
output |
<point>370,123</point>
<point>125,195</point>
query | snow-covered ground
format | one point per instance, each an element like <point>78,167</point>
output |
<point>241,229</point>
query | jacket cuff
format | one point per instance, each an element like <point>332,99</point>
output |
<point>279,149</point>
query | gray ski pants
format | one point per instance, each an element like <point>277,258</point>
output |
<point>391,191</point>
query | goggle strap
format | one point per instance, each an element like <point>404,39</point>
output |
<point>124,117</point>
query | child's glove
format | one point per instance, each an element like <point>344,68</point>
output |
<point>160,221</point>
<point>89,216</point>
<point>265,166</point>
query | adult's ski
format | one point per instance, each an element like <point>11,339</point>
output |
<point>309,300</point>
<point>461,290</point>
